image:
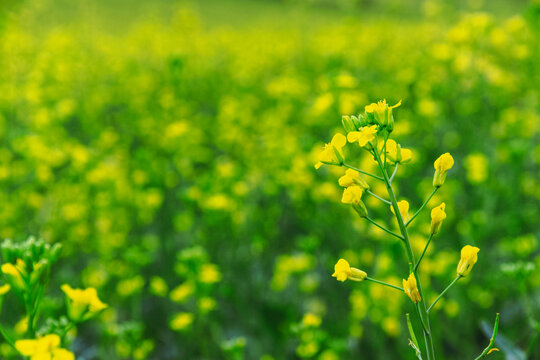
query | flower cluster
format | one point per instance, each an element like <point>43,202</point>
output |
<point>371,131</point>
<point>26,270</point>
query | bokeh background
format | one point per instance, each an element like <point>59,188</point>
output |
<point>169,146</point>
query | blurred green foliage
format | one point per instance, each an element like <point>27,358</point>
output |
<point>171,151</point>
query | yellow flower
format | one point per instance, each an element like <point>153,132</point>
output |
<point>82,304</point>
<point>364,136</point>
<point>181,321</point>
<point>311,320</point>
<point>209,274</point>
<point>403,206</point>
<point>469,257</point>
<point>332,153</point>
<point>352,195</point>
<point>343,271</point>
<point>396,154</point>
<point>382,112</point>
<point>352,177</point>
<point>437,217</point>
<point>44,348</point>
<point>15,273</point>
<point>4,289</point>
<point>411,289</point>
<point>442,165</point>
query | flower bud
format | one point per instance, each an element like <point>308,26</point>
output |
<point>469,257</point>
<point>403,207</point>
<point>437,217</point>
<point>361,209</point>
<point>410,288</point>
<point>381,113</point>
<point>442,165</point>
<point>348,124</point>
<point>15,274</point>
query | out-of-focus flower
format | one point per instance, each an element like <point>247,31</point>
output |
<point>469,257</point>
<point>181,321</point>
<point>44,348</point>
<point>82,304</point>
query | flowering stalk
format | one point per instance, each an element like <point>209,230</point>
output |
<point>410,256</point>
<point>371,132</point>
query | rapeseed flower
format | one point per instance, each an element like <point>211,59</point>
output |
<point>364,137</point>
<point>82,304</point>
<point>44,348</point>
<point>403,206</point>
<point>437,217</point>
<point>351,178</point>
<point>396,154</point>
<point>332,153</point>
<point>411,289</point>
<point>442,165</point>
<point>353,195</point>
<point>381,112</point>
<point>469,257</point>
<point>343,271</point>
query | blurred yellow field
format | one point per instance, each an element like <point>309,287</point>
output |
<point>159,194</point>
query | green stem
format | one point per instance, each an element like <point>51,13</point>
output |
<point>30,313</point>
<point>384,229</point>
<point>491,341</point>
<point>444,291</point>
<point>394,173</point>
<point>423,252</point>
<point>8,339</point>
<point>410,255</point>
<point>66,330</point>
<point>423,206</point>
<point>385,284</point>
<point>378,197</point>
<point>363,172</point>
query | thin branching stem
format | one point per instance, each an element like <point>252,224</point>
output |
<point>383,228</point>
<point>378,197</point>
<point>422,207</point>
<point>384,283</point>
<point>491,344</point>
<point>423,252</point>
<point>394,173</point>
<point>444,292</point>
<point>363,172</point>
